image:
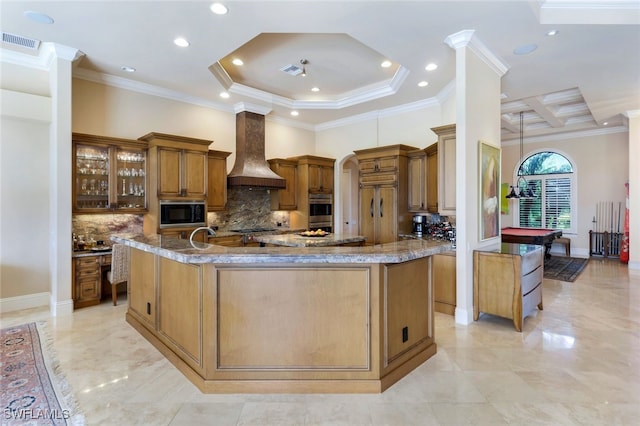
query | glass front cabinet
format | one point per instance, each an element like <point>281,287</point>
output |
<point>109,174</point>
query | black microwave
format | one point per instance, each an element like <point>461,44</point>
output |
<point>182,213</point>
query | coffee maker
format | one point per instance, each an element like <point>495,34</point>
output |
<point>419,225</point>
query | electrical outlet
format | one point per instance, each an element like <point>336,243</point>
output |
<point>405,334</point>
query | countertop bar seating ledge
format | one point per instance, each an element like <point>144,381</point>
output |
<point>352,319</point>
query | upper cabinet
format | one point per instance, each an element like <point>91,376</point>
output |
<point>423,180</point>
<point>285,199</point>
<point>383,197</point>
<point>315,174</point>
<point>178,166</point>
<point>446,168</point>
<point>109,174</point>
<point>217,180</point>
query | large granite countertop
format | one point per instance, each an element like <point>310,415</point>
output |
<point>186,252</point>
<point>297,240</point>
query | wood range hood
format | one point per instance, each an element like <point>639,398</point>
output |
<point>251,168</point>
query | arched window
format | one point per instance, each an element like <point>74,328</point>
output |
<point>552,178</point>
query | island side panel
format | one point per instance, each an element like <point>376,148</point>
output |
<point>293,319</point>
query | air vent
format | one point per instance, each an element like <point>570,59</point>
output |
<point>291,69</point>
<point>17,40</point>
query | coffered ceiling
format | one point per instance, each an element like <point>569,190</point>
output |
<point>586,75</point>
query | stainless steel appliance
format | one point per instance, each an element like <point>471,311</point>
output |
<point>321,212</point>
<point>182,213</point>
<point>419,225</point>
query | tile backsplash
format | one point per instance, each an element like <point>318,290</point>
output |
<point>248,208</point>
<point>102,226</point>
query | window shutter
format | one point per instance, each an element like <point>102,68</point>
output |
<point>557,207</point>
<point>531,208</point>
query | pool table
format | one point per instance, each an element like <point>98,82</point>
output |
<point>537,236</point>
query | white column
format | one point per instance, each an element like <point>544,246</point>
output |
<point>478,73</point>
<point>634,189</point>
<point>60,246</point>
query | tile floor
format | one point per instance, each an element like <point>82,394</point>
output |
<point>575,363</point>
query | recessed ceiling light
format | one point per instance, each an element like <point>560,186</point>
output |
<point>431,67</point>
<point>237,61</point>
<point>224,95</point>
<point>606,123</point>
<point>181,42</point>
<point>219,9</point>
<point>552,32</point>
<point>423,84</point>
<point>128,69</point>
<point>315,89</point>
<point>526,49</point>
<point>385,64</point>
<point>295,113</point>
<point>38,17</point>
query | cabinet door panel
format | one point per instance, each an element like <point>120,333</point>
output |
<point>142,285</point>
<point>195,174</point>
<point>169,172</point>
<point>367,213</point>
<point>417,182</point>
<point>387,214</point>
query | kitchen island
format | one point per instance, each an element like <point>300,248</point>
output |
<point>285,319</point>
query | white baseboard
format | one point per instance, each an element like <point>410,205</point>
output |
<point>28,301</point>
<point>463,316</point>
<point>61,308</point>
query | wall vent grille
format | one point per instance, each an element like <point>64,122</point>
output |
<point>291,69</point>
<point>17,40</point>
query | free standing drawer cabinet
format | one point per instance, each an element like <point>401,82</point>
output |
<point>508,282</point>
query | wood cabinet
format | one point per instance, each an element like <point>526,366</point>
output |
<point>444,282</point>
<point>217,180</point>
<point>315,176</point>
<point>87,272</point>
<point>432,178</point>
<point>423,180</point>
<point>227,241</point>
<point>508,282</point>
<point>383,196</point>
<point>446,168</point>
<point>178,170</point>
<point>109,175</point>
<point>181,173</point>
<point>287,198</point>
<point>142,286</point>
<point>184,234</point>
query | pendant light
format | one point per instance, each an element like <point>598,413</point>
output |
<point>516,192</point>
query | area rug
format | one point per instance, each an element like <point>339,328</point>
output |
<point>34,391</point>
<point>564,268</point>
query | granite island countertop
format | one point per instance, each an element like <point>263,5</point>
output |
<point>297,240</point>
<point>185,252</point>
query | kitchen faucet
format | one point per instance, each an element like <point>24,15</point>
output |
<point>202,228</point>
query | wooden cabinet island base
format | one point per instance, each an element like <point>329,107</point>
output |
<point>257,321</point>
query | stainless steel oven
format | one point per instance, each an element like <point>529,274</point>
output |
<point>321,212</point>
<point>182,213</point>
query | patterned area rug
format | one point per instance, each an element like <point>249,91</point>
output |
<point>33,390</point>
<point>564,268</point>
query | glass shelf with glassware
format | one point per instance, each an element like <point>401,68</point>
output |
<point>110,174</point>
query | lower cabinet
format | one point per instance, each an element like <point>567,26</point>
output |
<point>227,241</point>
<point>444,282</point>
<point>184,234</point>
<point>142,287</point>
<point>508,282</point>
<point>87,279</point>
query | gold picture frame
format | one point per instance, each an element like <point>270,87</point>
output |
<point>489,191</point>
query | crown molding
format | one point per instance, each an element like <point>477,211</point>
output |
<point>468,38</point>
<point>555,137</point>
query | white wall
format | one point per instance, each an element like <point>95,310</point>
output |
<point>24,198</point>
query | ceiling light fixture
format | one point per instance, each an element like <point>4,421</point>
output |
<point>295,113</point>
<point>525,192</point>
<point>219,9</point>
<point>128,69</point>
<point>181,42</point>
<point>525,50</point>
<point>385,64</point>
<point>224,95</point>
<point>423,83</point>
<point>237,61</point>
<point>38,17</point>
<point>431,67</point>
<point>552,32</point>
<point>315,89</point>
<point>304,63</point>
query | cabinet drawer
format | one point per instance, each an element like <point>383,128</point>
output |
<point>106,260</point>
<point>531,280</point>
<point>532,260</point>
<point>87,262</point>
<point>88,288</point>
<point>531,301</point>
<point>379,178</point>
<point>389,164</point>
